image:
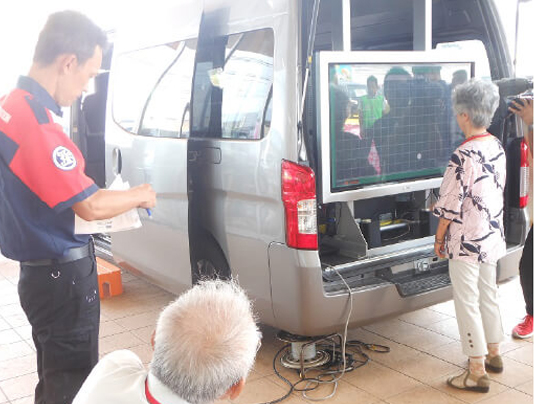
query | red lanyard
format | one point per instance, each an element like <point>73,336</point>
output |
<point>476,137</point>
<point>148,395</point>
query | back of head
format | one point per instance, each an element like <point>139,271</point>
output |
<point>397,87</point>
<point>205,341</point>
<point>478,99</point>
<point>68,32</point>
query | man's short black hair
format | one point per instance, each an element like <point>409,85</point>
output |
<point>68,32</point>
<point>372,79</point>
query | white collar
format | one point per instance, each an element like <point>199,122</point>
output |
<point>161,392</point>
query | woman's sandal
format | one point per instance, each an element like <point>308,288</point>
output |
<point>466,381</point>
<point>494,364</point>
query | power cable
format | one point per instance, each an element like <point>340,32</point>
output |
<point>340,362</point>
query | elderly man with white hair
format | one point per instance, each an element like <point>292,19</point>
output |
<point>204,347</point>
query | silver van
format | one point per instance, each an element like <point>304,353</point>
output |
<point>248,119</point>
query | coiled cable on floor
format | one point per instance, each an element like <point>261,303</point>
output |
<point>340,362</point>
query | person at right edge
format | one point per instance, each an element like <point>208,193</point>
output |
<point>43,186</point>
<point>471,234</point>
<point>524,328</point>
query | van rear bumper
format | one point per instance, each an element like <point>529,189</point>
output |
<point>302,306</point>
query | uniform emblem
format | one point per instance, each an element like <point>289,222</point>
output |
<point>63,158</point>
<point>4,116</point>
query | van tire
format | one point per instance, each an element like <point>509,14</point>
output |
<point>210,263</point>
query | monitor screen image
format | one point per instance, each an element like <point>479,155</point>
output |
<point>389,122</point>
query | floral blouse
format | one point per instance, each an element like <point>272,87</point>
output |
<point>472,197</point>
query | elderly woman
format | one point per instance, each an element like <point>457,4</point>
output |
<point>470,231</point>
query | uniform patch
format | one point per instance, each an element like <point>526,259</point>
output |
<point>63,158</point>
<point>4,116</point>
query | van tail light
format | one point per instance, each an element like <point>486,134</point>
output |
<point>299,197</point>
<point>524,181</point>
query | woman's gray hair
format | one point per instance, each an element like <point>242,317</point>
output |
<point>205,341</point>
<point>478,99</point>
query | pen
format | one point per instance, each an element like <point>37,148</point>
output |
<point>149,212</point>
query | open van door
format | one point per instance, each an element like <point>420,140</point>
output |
<point>146,140</point>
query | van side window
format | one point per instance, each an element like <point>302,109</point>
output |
<point>166,113</point>
<point>233,80</point>
<point>473,50</point>
<point>134,76</point>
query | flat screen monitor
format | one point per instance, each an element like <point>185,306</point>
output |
<point>385,120</point>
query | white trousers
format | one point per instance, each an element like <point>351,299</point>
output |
<point>477,310</point>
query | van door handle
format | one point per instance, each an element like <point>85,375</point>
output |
<point>193,155</point>
<point>116,159</point>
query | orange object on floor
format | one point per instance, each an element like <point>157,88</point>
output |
<point>109,279</point>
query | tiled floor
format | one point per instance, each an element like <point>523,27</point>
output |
<point>424,350</point>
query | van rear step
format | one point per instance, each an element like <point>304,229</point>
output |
<point>411,286</point>
<point>103,246</point>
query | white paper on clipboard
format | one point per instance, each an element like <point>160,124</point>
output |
<point>125,221</point>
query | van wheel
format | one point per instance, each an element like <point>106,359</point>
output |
<point>210,264</point>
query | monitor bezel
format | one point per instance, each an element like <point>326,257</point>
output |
<point>323,61</point>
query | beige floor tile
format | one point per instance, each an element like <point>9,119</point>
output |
<point>15,350</point>
<point>425,368</point>
<point>3,398</point>
<point>7,298</point>
<point>423,317</point>
<point>145,333</point>
<point>447,327</point>
<point>4,325</point>
<point>18,366</point>
<point>523,354</point>
<point>345,393</point>
<point>261,390</point>
<point>511,344</point>
<point>16,320</point>
<point>414,336</point>
<point>253,376</point>
<point>387,328</point>
<point>25,332</point>
<point>5,285</point>
<point>264,359</point>
<point>11,309</point>
<point>9,337</point>
<point>445,308</point>
<point>440,383</point>
<point>123,340</point>
<point>514,374</point>
<point>139,320</point>
<point>10,271</point>
<point>144,352</point>
<point>423,395</point>
<point>380,381</point>
<point>397,357</point>
<point>24,400</point>
<point>509,396</point>
<point>108,328</point>
<point>19,387</point>
<point>526,388</point>
<point>142,289</point>
<point>451,353</point>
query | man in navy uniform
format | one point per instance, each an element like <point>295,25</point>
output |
<point>42,187</point>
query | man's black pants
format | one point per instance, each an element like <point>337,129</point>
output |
<point>525,272</point>
<point>62,304</point>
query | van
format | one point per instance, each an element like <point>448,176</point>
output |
<point>231,110</point>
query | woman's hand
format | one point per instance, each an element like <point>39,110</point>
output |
<point>439,242</point>
<point>439,247</point>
